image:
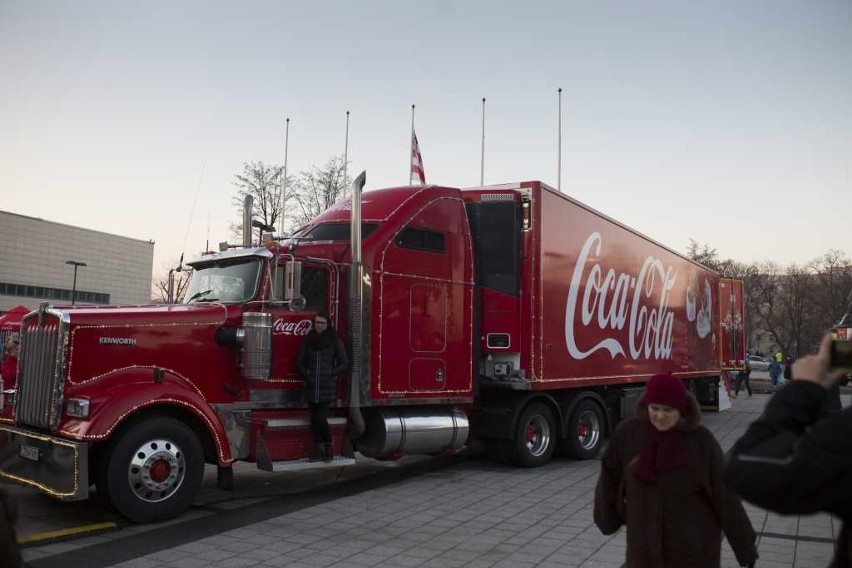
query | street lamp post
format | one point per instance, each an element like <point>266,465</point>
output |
<point>76,264</point>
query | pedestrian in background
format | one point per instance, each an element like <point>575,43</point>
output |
<point>774,372</point>
<point>321,358</point>
<point>744,377</point>
<point>9,367</point>
<point>795,459</point>
<point>661,476</point>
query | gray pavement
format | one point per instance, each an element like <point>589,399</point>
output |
<point>467,512</point>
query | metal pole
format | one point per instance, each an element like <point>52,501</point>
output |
<point>284,183</point>
<point>346,149</point>
<point>411,148</point>
<point>74,288</point>
<point>559,167</point>
<point>482,160</point>
<point>76,264</point>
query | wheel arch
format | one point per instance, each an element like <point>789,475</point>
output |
<point>122,399</point>
<point>499,418</point>
<point>181,413</point>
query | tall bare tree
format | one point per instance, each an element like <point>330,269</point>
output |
<point>833,285</point>
<point>792,306</point>
<point>161,286</point>
<point>264,182</point>
<point>316,190</point>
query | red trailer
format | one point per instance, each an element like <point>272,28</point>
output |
<point>512,315</point>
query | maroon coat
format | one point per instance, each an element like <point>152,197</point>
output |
<point>677,520</point>
<point>9,372</point>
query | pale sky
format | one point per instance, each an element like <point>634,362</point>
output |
<point>729,122</point>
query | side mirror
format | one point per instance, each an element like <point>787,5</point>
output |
<point>292,280</point>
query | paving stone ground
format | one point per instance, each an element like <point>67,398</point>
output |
<point>476,514</point>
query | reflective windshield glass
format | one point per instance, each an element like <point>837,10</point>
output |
<point>337,231</point>
<point>221,282</point>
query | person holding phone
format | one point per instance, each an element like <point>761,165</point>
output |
<point>796,459</point>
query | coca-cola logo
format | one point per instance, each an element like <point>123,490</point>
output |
<point>300,328</point>
<point>614,300</point>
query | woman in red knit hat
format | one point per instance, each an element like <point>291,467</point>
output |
<point>661,476</point>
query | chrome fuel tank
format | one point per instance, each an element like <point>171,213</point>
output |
<point>424,430</point>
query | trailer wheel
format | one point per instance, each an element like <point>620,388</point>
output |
<point>585,430</point>
<point>152,470</point>
<point>535,437</point>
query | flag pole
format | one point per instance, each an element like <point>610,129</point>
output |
<point>559,166</point>
<point>346,149</point>
<point>284,183</point>
<point>482,159</point>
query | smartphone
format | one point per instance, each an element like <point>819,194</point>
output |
<point>841,354</point>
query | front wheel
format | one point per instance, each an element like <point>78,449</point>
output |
<point>535,437</point>
<point>152,470</point>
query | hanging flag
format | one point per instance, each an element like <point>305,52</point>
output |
<point>417,175</point>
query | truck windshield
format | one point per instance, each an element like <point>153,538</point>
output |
<point>223,282</point>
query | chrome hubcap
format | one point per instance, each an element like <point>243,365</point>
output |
<point>157,469</point>
<point>537,435</point>
<point>588,430</point>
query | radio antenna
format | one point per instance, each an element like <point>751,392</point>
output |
<point>192,212</point>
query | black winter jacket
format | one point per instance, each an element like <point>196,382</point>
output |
<point>319,370</point>
<point>795,459</point>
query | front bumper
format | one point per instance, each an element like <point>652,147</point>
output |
<point>55,466</point>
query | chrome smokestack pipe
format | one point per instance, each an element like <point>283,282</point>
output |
<point>356,298</point>
<point>248,203</point>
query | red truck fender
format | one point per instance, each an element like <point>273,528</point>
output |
<point>118,398</point>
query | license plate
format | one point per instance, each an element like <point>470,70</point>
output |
<point>29,452</point>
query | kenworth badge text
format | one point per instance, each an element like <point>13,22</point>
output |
<point>511,315</point>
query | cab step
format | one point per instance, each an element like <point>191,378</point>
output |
<point>303,464</point>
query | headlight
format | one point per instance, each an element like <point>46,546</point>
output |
<point>77,407</point>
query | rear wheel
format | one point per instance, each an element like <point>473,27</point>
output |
<point>535,437</point>
<point>585,430</point>
<point>152,470</point>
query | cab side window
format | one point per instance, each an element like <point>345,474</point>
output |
<point>419,239</point>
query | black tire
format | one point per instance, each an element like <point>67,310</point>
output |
<point>585,430</point>
<point>152,469</point>
<point>535,437</point>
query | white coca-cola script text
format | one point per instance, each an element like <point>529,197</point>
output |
<point>281,327</point>
<point>612,300</point>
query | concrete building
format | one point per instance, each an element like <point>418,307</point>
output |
<point>34,256</point>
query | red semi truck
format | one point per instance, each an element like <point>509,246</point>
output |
<point>512,314</point>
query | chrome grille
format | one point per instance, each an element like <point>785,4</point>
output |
<point>44,335</point>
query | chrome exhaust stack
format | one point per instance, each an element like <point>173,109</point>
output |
<point>248,203</point>
<point>356,300</point>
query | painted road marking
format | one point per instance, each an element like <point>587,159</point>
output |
<point>65,533</point>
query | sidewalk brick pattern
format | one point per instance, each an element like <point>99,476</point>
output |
<point>476,514</point>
